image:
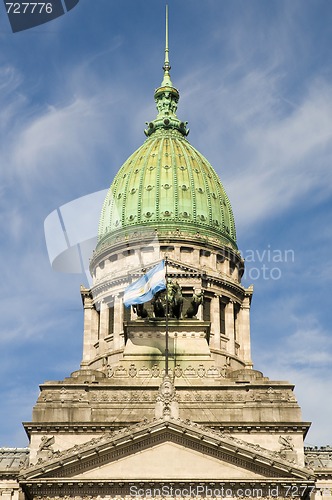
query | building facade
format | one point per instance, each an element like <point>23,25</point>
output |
<point>150,414</point>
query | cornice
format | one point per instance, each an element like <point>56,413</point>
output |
<point>222,427</point>
<point>323,473</point>
<point>188,271</point>
<point>87,489</point>
<point>270,387</point>
<point>9,474</point>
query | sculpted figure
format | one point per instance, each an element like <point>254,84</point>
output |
<point>286,443</point>
<point>46,443</point>
<point>175,299</point>
<point>196,301</point>
<point>45,450</point>
<point>140,310</point>
<point>158,305</point>
<point>287,449</point>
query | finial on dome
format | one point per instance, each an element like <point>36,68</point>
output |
<point>166,84</point>
<point>166,97</point>
<point>167,67</point>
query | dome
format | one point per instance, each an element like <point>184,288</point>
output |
<point>167,185</point>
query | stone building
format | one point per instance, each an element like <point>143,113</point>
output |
<point>138,419</point>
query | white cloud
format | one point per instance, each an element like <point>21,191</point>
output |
<point>312,391</point>
<point>273,154</point>
<point>57,140</point>
<point>303,357</point>
<point>308,346</point>
<point>19,400</point>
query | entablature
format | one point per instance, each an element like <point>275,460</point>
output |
<point>280,488</point>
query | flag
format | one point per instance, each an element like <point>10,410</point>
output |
<point>146,287</point>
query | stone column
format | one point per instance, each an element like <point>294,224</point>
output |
<point>103,325</point>
<point>91,329</point>
<point>229,326</point>
<point>195,256</point>
<point>104,319</point>
<point>213,260</point>
<point>6,494</point>
<point>244,331</point>
<point>118,323</point>
<point>177,253</point>
<point>226,267</point>
<point>215,324</point>
<point>235,274</point>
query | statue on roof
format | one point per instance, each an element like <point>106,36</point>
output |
<point>196,301</point>
<point>175,299</point>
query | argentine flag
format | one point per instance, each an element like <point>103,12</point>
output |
<point>146,287</point>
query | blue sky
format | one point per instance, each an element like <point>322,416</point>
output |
<point>255,78</point>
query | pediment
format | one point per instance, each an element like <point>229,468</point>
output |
<point>169,461</point>
<point>165,450</point>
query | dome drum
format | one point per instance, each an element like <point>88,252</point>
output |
<point>139,249</point>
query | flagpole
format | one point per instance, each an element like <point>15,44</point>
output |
<point>166,332</point>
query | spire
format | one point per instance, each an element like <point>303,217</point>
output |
<point>167,84</point>
<point>167,67</point>
<point>166,98</point>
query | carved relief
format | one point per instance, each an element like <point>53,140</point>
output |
<point>132,370</point>
<point>286,443</point>
<point>155,371</point>
<point>167,405</point>
<point>178,371</point>
<point>202,371</point>
<point>64,395</point>
<point>45,450</point>
<point>189,372</point>
<point>46,444</point>
<point>120,372</point>
<point>287,448</point>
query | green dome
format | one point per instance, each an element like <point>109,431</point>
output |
<point>167,186</point>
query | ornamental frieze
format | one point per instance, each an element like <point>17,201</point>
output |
<point>64,395</point>
<point>176,490</point>
<point>137,492</point>
<point>223,396</point>
<point>144,372</point>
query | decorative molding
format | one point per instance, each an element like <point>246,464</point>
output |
<point>167,405</point>
<point>188,271</point>
<point>223,427</point>
<point>108,490</point>
<point>116,394</point>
